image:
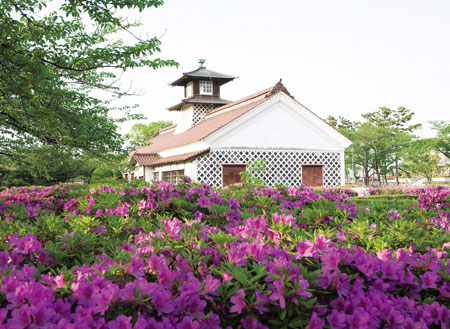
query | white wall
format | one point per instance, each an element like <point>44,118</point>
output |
<point>148,174</point>
<point>197,146</point>
<point>189,169</point>
<point>184,119</point>
<point>279,124</point>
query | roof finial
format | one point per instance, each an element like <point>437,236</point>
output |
<point>201,61</point>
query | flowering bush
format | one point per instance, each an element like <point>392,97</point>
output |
<point>189,256</point>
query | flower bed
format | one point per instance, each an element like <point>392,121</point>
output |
<point>188,256</point>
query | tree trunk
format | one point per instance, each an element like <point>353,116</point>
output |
<point>366,169</point>
<point>397,181</point>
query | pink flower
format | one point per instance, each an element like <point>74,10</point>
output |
<point>322,242</point>
<point>305,248</point>
<point>384,255</point>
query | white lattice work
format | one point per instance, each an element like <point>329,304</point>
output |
<point>200,110</point>
<point>282,167</point>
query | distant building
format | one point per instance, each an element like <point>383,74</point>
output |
<point>214,139</point>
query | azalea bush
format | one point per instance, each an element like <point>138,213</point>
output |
<point>189,256</point>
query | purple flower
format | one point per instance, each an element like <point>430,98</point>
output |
<point>121,322</point>
<point>238,301</point>
<point>251,323</point>
<point>315,322</point>
<point>20,318</point>
<point>429,279</point>
<point>211,285</point>
<point>204,202</point>
<point>278,292</point>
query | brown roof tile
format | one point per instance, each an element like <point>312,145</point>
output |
<point>239,101</point>
<point>144,159</point>
<point>198,132</point>
<point>167,128</point>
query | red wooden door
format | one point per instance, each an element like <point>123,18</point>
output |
<point>231,174</point>
<point>312,175</point>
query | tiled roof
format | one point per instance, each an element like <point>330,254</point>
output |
<point>179,157</point>
<point>198,132</point>
<point>202,72</point>
<point>144,159</point>
<point>242,100</point>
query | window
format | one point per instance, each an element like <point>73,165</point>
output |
<point>174,176</point>
<point>206,88</point>
<point>155,176</point>
<point>189,90</point>
<point>231,173</point>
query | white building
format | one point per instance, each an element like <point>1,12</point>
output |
<point>215,139</point>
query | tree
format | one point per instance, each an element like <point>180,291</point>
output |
<point>378,141</point>
<point>140,133</point>
<point>443,136</point>
<point>421,159</point>
<point>50,61</point>
<point>46,165</point>
<point>394,135</point>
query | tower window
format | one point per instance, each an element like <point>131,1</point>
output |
<point>206,87</point>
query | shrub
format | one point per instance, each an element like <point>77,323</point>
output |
<point>104,174</point>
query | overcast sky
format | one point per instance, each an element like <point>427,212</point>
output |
<point>343,57</point>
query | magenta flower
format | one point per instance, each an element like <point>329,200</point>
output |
<point>277,289</point>
<point>322,242</point>
<point>238,301</point>
<point>210,285</point>
<point>429,279</point>
<point>305,248</point>
<point>315,322</point>
<point>261,302</point>
<point>121,322</point>
<point>21,318</point>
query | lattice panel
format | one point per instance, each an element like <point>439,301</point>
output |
<point>282,167</point>
<point>199,112</point>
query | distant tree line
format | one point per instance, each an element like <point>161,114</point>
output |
<point>384,145</point>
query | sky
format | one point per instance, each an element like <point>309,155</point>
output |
<point>342,58</point>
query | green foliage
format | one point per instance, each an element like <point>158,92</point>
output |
<point>385,202</point>
<point>105,174</point>
<point>443,136</point>
<point>140,133</point>
<point>52,61</point>
<point>249,177</point>
<point>422,159</point>
<point>46,165</point>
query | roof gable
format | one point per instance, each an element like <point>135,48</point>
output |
<point>280,123</point>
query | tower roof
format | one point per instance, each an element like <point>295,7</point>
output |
<point>202,73</point>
